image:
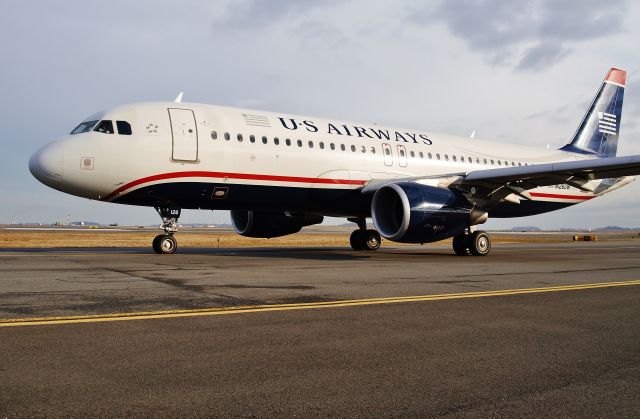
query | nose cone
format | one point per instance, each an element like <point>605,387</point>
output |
<point>46,164</point>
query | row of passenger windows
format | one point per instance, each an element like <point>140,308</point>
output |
<point>387,151</point>
<point>105,126</point>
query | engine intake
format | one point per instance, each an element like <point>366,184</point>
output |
<point>270,224</point>
<point>412,213</point>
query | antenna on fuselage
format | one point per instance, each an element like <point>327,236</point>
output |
<point>178,98</point>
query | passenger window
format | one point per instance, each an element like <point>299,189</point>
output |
<point>470,160</point>
<point>299,142</point>
<point>287,142</point>
<point>454,158</point>
<point>421,155</point>
<point>493,162</point>
<point>342,147</point>
<point>353,148</point>
<point>387,151</point>
<point>499,163</point>
<point>332,146</point>
<point>373,150</point>
<point>363,149</point>
<point>276,141</point>
<point>226,136</point>
<point>239,136</point>
<point>430,156</point>
<point>214,135</point>
<point>519,164</point>
<point>252,138</point>
<point>124,128</point>
<point>485,161</point>
<point>310,144</point>
<point>412,154</point>
<point>446,157</point>
<point>105,127</point>
<point>437,156</point>
<point>84,127</point>
<point>264,140</point>
<point>321,145</point>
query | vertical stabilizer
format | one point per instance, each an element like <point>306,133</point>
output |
<point>600,127</point>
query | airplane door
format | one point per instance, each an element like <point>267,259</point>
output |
<point>184,135</point>
<point>402,156</point>
<point>388,154</point>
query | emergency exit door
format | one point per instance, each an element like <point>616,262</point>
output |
<point>184,135</point>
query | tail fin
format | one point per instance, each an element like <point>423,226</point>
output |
<point>600,127</point>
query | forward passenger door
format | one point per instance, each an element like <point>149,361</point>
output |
<point>184,134</point>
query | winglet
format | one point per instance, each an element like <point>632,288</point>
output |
<point>178,98</point>
<point>617,76</point>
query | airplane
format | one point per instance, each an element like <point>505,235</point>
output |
<point>278,172</point>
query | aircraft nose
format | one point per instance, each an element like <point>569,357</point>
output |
<point>46,163</point>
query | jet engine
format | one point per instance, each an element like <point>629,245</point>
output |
<point>270,224</point>
<point>409,212</point>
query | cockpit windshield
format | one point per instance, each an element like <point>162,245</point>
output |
<point>105,127</point>
<point>84,127</point>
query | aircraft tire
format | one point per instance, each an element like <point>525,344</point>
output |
<point>371,240</point>
<point>479,243</point>
<point>165,244</point>
<point>356,240</point>
<point>461,244</point>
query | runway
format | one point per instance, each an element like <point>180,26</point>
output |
<point>531,330</point>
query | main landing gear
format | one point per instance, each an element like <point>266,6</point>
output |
<point>166,244</point>
<point>478,243</point>
<point>363,239</point>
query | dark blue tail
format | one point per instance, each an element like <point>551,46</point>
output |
<point>600,127</point>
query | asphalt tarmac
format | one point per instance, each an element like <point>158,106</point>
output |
<point>531,330</point>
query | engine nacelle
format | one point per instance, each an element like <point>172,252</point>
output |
<point>270,224</point>
<point>412,213</point>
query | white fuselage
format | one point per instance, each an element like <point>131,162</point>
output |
<point>247,147</point>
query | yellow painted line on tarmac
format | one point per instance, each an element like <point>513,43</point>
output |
<point>146,315</point>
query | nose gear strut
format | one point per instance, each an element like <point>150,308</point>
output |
<point>166,243</point>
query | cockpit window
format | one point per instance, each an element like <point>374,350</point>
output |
<point>124,128</point>
<point>105,127</point>
<point>84,127</point>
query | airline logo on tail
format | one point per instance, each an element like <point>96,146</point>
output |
<point>607,123</point>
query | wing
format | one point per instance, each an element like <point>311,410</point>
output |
<point>495,185</point>
<point>562,172</point>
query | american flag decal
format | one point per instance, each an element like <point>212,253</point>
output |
<point>256,120</point>
<point>607,123</point>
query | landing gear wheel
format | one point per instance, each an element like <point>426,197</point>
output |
<point>479,243</point>
<point>165,244</point>
<point>365,240</point>
<point>371,240</point>
<point>356,241</point>
<point>461,244</point>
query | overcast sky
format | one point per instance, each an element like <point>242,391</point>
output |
<point>514,71</point>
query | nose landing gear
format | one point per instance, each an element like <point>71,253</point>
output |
<point>165,243</point>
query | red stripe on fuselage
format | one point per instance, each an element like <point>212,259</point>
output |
<point>552,195</point>
<point>222,175</point>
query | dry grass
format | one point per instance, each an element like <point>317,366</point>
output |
<point>47,239</point>
<point>228,239</point>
